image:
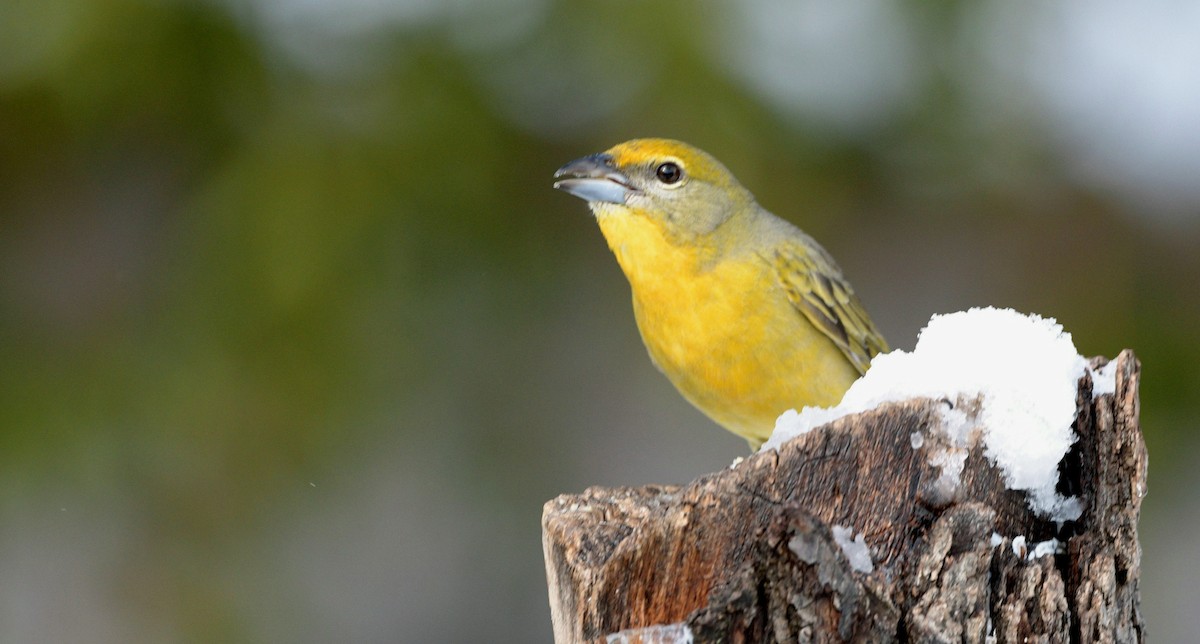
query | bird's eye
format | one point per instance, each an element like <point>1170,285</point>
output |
<point>669,173</point>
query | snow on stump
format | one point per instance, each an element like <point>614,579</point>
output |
<point>952,496</point>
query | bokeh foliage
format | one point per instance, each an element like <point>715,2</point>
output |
<point>296,338</point>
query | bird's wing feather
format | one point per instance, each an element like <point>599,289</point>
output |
<point>816,288</point>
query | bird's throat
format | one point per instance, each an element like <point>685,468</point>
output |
<point>646,252</point>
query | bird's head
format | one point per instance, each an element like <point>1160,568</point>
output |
<point>688,193</point>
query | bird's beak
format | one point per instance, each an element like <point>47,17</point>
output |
<point>594,178</point>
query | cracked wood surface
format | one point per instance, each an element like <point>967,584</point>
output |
<point>746,554</point>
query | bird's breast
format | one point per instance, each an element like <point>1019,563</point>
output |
<point>723,330</point>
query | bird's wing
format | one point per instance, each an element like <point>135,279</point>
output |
<point>815,286</point>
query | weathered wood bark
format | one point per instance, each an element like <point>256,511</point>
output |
<point>747,554</point>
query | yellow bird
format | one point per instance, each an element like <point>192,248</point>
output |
<point>745,314</point>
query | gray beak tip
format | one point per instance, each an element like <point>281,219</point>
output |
<point>594,179</point>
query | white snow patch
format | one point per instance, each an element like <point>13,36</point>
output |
<point>996,539</point>
<point>952,462</point>
<point>855,548</point>
<point>916,440</point>
<point>1024,550</point>
<point>1104,379</point>
<point>1018,546</point>
<point>1043,548</point>
<point>951,455</point>
<point>796,423</point>
<point>1025,369</point>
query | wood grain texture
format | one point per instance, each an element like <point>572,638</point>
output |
<point>747,554</point>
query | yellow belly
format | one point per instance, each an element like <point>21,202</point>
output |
<point>725,333</point>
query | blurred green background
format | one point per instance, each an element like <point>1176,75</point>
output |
<point>296,339</point>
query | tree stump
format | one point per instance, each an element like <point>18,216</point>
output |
<point>749,554</point>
